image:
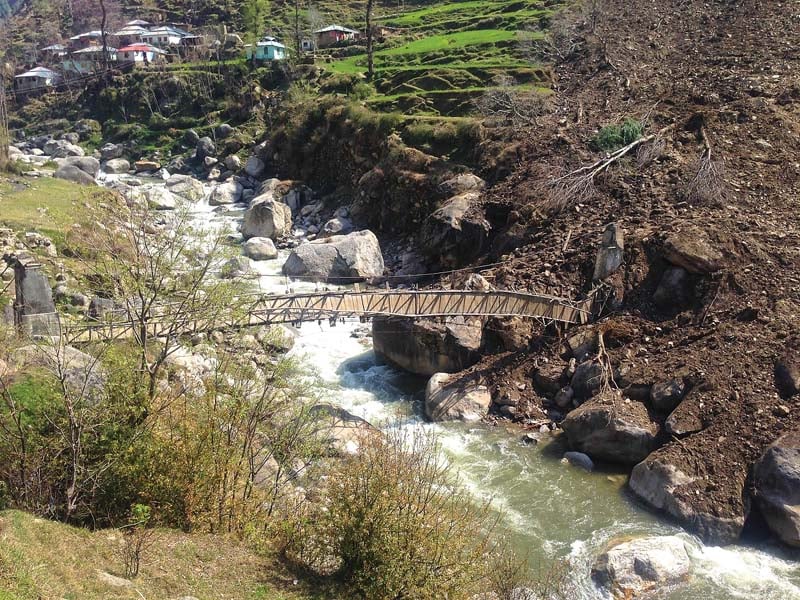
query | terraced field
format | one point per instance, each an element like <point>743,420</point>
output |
<point>445,54</point>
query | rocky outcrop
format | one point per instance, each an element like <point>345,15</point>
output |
<point>451,399</point>
<point>776,483</point>
<point>630,569</point>
<point>682,491</point>
<point>267,218</point>
<point>691,250</point>
<point>186,187</point>
<point>259,248</point>
<point>341,258</point>
<point>455,233</point>
<point>424,347</point>
<point>611,428</point>
<point>74,174</point>
<point>611,254</point>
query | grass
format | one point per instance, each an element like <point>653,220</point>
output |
<point>44,559</point>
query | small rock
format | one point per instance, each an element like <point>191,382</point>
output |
<point>579,459</point>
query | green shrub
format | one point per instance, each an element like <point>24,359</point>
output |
<point>613,137</point>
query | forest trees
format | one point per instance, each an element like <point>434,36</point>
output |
<point>254,18</point>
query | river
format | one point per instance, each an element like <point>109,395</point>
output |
<point>553,511</point>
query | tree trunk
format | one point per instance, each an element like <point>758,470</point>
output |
<point>104,38</point>
<point>297,27</point>
<point>370,43</point>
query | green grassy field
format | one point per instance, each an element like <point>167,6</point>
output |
<point>41,559</point>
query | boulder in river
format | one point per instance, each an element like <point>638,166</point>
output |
<point>111,151</point>
<point>448,398</point>
<point>611,428</point>
<point>74,174</point>
<point>159,198</point>
<point>87,164</point>
<point>229,192</point>
<point>117,166</point>
<point>425,347</point>
<point>342,432</point>
<point>632,568</point>
<point>267,218</point>
<point>776,481</point>
<point>186,187</point>
<point>340,258</point>
<point>260,248</point>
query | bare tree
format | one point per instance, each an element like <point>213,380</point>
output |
<point>370,41</point>
<point>509,103</point>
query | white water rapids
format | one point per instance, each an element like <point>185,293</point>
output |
<point>553,511</point>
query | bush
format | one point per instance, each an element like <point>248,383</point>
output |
<point>613,137</point>
<point>394,523</point>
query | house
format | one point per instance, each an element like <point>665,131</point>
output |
<point>140,54</point>
<point>307,45</point>
<point>87,61</point>
<point>83,40</point>
<point>36,79</point>
<point>54,51</point>
<point>266,49</point>
<point>334,34</point>
<point>130,34</point>
<point>164,36</point>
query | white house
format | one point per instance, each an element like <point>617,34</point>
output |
<point>266,49</point>
<point>130,34</point>
<point>140,54</point>
<point>164,36</point>
<point>54,51</point>
<point>38,78</point>
<point>82,40</point>
<point>87,61</point>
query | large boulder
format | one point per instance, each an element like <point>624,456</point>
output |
<point>117,166</point>
<point>83,374</point>
<point>611,428</point>
<point>62,149</point>
<point>205,147</point>
<point>267,218</point>
<point>455,233</point>
<point>260,248</point>
<point>159,198</point>
<point>87,164</point>
<point>425,347</point>
<point>74,174</point>
<point>587,379</point>
<point>341,258</point>
<point>776,482</point>
<point>341,432</point>
<point>254,166</point>
<point>229,192</point>
<point>451,399</point>
<point>630,569</point>
<point>684,491</point>
<point>691,250</point>
<point>111,151</point>
<point>186,187</point>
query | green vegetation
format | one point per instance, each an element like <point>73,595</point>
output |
<point>613,137</point>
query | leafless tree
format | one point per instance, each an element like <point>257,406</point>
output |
<point>511,104</point>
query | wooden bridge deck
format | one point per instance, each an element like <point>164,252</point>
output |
<point>295,308</point>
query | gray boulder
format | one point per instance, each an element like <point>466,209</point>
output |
<point>665,396</point>
<point>341,258</point>
<point>260,248</point>
<point>776,481</point>
<point>455,233</point>
<point>99,308</point>
<point>254,166</point>
<point>238,266</point>
<point>267,217</point>
<point>87,164</point>
<point>74,174</point>
<point>186,187</point>
<point>229,192</point>
<point>451,399</point>
<point>111,151</point>
<point>117,166</point>
<point>690,249</point>
<point>233,163</point>
<point>424,347</point>
<point>640,566</point>
<point>62,149</point>
<point>464,182</point>
<point>611,428</point>
<point>205,147</point>
<point>611,254</point>
<point>587,379</point>
<point>83,374</point>
<point>224,131</point>
<point>579,459</point>
<point>159,198</point>
<point>72,137</point>
<point>337,226</point>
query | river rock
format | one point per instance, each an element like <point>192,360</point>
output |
<point>343,433</point>
<point>117,166</point>
<point>630,569</point>
<point>238,266</point>
<point>71,137</point>
<point>456,233</point>
<point>611,254</point>
<point>610,428</point>
<point>254,167</point>
<point>146,166</point>
<point>587,379</point>
<point>665,396</point>
<point>229,192</point>
<point>267,218</point>
<point>690,249</point>
<point>776,481</point>
<point>233,163</point>
<point>111,151</point>
<point>337,226</point>
<point>74,174</point>
<point>159,198</point>
<point>87,164</point>
<point>682,493</point>
<point>205,147</point>
<point>346,258</point>
<point>62,149</point>
<point>451,399</point>
<point>260,248</point>
<point>186,187</point>
<point>579,459</point>
<point>424,347</point>
<point>225,130</point>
